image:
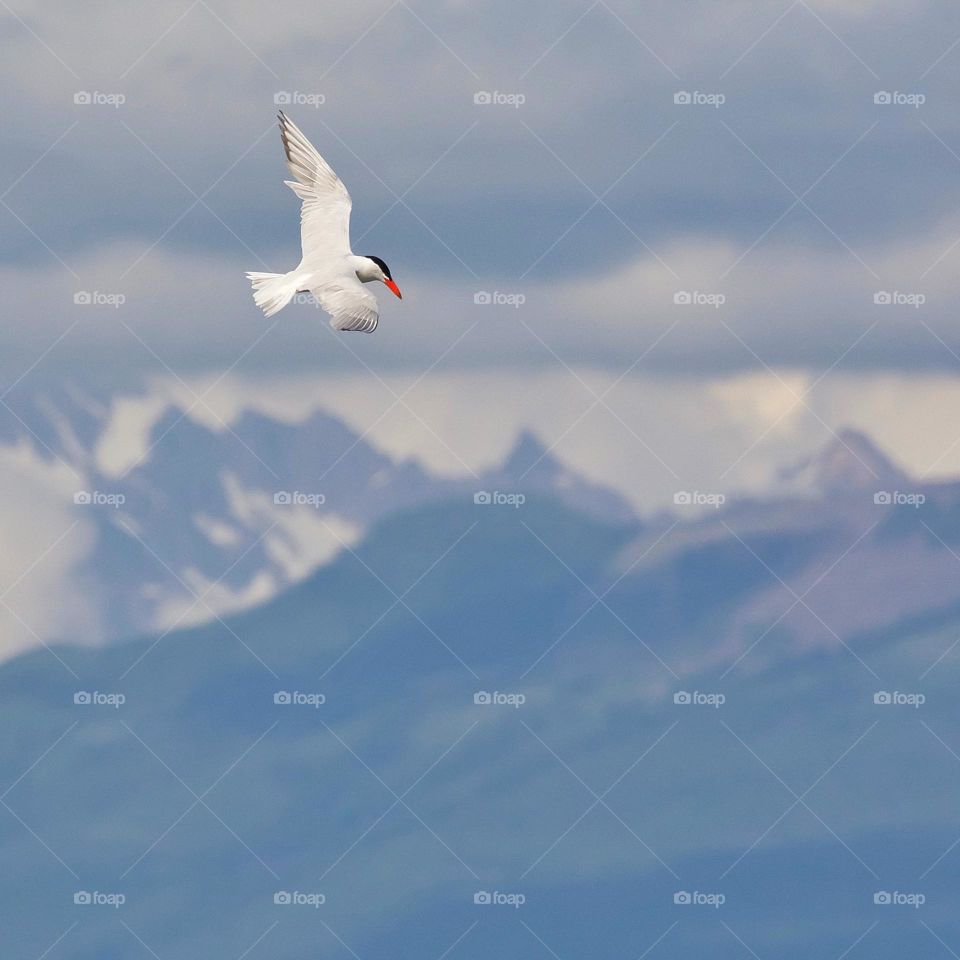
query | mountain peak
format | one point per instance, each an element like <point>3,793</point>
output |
<point>59,420</point>
<point>527,453</point>
<point>531,467</point>
<point>177,419</point>
<point>850,461</point>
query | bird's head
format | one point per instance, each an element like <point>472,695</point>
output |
<point>378,270</point>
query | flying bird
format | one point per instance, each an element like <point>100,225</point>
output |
<point>329,269</point>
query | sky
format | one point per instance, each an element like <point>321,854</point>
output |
<point>683,241</point>
<point>782,199</point>
<point>668,237</point>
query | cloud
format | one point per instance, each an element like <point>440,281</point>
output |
<point>45,544</point>
<point>598,199</point>
<point>699,307</point>
<point>649,436</point>
<point>496,185</point>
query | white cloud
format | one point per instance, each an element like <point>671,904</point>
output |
<point>652,435</point>
<point>175,609</point>
<point>45,543</point>
<point>297,537</point>
<point>126,439</point>
<point>777,305</point>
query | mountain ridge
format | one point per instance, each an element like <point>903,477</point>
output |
<point>237,514</point>
<point>493,797</point>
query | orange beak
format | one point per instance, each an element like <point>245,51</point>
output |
<point>394,288</point>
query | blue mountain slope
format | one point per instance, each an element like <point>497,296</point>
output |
<point>236,509</point>
<point>399,798</point>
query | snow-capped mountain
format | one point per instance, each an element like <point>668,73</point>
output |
<point>209,521</point>
<point>850,546</point>
<point>849,462</point>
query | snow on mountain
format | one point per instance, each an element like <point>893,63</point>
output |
<point>849,462</point>
<point>849,546</point>
<point>210,521</point>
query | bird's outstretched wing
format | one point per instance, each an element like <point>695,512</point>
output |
<point>325,213</point>
<point>350,305</point>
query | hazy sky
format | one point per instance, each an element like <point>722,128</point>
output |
<point>714,233</point>
<point>783,189</point>
<point>683,241</point>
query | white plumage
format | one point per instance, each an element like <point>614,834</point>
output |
<point>329,269</point>
<point>349,305</point>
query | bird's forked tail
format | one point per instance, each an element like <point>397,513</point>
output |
<point>272,291</point>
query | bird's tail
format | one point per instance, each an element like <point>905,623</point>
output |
<point>272,291</point>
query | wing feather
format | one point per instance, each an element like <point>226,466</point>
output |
<point>351,307</point>
<point>325,210</point>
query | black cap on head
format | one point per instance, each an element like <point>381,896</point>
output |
<point>381,265</point>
